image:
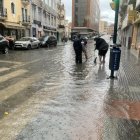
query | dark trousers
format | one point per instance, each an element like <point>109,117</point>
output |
<point>78,57</point>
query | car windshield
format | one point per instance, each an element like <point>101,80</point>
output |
<point>25,39</point>
<point>43,38</point>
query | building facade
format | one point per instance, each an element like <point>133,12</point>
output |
<point>20,18</point>
<point>85,17</point>
<point>14,17</point>
<point>67,29</point>
<point>103,26</point>
<point>44,17</point>
<point>61,20</point>
<point>129,24</point>
<point>136,31</point>
<point>110,29</point>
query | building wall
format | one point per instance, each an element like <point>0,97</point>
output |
<point>13,24</point>
<point>110,30</point>
<point>44,17</point>
<point>85,13</point>
<point>13,17</point>
<point>103,27</point>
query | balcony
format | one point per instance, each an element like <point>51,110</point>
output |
<point>3,13</point>
<point>61,26</point>
<point>26,21</point>
<point>25,2</point>
<point>37,22</point>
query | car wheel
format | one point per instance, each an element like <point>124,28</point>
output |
<point>29,47</point>
<point>5,51</point>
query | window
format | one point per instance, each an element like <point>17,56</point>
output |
<point>13,8</point>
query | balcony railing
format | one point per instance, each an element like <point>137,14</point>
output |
<point>26,20</point>
<point>26,2</point>
<point>61,26</point>
<point>3,13</point>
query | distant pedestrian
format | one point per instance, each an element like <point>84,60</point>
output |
<point>78,49</point>
<point>84,47</point>
<point>102,47</point>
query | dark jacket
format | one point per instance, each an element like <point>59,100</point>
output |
<point>101,44</point>
<point>77,45</point>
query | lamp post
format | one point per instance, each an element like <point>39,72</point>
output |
<point>117,3</point>
<point>115,52</point>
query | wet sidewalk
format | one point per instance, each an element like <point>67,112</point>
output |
<point>122,103</point>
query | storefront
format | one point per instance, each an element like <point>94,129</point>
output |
<point>13,30</point>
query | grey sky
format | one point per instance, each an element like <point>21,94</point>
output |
<point>106,13</point>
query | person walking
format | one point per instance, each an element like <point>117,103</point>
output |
<point>102,47</point>
<point>78,49</point>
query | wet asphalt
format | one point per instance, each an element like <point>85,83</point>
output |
<point>44,95</point>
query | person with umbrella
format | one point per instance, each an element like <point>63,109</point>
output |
<point>102,47</point>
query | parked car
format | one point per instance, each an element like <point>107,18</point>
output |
<point>4,45</point>
<point>27,43</point>
<point>47,41</point>
<point>11,41</point>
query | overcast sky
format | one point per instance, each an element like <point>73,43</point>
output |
<point>106,13</point>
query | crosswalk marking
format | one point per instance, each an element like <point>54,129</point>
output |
<point>18,87</point>
<point>11,62</point>
<point>4,69</point>
<point>12,75</point>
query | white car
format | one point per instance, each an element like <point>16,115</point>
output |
<point>27,43</point>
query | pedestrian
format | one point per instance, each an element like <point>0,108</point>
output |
<point>78,49</point>
<point>102,47</point>
<point>84,47</point>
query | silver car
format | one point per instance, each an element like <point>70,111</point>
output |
<point>27,43</point>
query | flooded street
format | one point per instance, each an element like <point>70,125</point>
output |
<point>44,95</point>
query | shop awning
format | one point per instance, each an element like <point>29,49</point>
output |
<point>12,25</point>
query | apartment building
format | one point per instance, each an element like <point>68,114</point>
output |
<point>44,17</point>
<point>85,17</point>
<point>14,17</point>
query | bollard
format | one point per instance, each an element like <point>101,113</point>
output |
<point>114,62</point>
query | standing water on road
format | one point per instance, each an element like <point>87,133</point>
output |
<point>68,101</point>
